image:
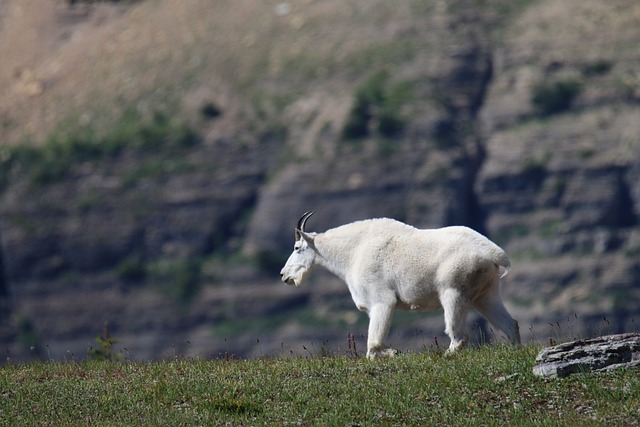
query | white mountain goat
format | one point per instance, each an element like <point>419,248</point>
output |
<point>387,265</point>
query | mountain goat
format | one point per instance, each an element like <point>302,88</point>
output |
<point>388,264</point>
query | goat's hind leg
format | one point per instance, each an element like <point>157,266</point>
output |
<point>379,322</point>
<point>455,318</point>
<point>490,306</point>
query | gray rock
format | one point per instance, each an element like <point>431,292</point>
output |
<point>590,355</point>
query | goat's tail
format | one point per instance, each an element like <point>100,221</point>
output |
<point>504,262</point>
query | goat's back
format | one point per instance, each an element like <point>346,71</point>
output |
<point>389,241</point>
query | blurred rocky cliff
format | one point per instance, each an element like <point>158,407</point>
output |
<point>155,156</point>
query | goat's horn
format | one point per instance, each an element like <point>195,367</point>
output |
<point>302,221</point>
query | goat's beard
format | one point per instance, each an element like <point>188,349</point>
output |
<point>297,279</point>
<point>291,282</point>
<point>297,276</point>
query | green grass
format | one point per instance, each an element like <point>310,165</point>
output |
<point>492,385</point>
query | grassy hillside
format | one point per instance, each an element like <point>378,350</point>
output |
<point>486,386</point>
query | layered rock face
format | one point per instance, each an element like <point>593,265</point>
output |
<point>521,123</point>
<point>560,183</point>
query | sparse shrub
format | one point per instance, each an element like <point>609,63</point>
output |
<point>357,125</point>
<point>209,110</point>
<point>586,153</point>
<point>155,168</point>
<point>104,350</point>
<point>555,97</point>
<point>134,131</point>
<point>550,228</point>
<point>512,231</point>
<point>132,269</point>
<point>179,279</point>
<point>389,124</point>
<point>534,167</point>
<point>376,109</point>
<point>596,68</point>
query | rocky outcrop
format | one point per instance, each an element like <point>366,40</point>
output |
<point>591,355</point>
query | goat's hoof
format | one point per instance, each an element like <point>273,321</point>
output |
<point>381,352</point>
<point>455,347</point>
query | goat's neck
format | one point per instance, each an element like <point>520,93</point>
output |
<point>335,251</point>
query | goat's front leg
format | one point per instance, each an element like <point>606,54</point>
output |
<point>379,321</point>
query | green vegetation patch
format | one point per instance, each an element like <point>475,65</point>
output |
<point>492,385</point>
<point>596,68</point>
<point>555,97</point>
<point>71,145</point>
<point>179,279</point>
<point>376,109</point>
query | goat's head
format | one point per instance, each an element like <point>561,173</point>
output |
<point>303,258</point>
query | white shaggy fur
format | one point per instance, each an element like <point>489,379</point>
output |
<point>387,265</point>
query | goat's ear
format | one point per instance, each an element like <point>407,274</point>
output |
<point>306,236</point>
